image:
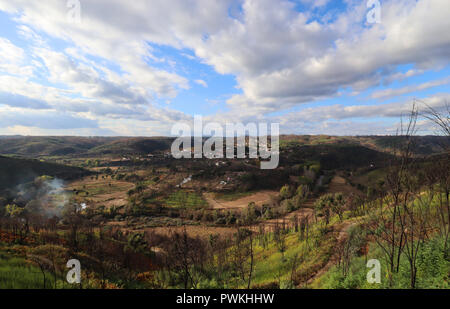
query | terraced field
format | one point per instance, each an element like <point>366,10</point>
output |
<point>258,198</point>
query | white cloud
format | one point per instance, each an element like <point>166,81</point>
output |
<point>399,76</point>
<point>335,113</point>
<point>103,32</point>
<point>317,60</point>
<point>201,83</point>
<point>281,57</point>
<point>12,59</point>
<point>388,93</point>
<point>42,119</point>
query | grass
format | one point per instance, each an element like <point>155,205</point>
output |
<point>100,187</point>
<point>433,268</point>
<point>185,200</point>
<point>433,271</point>
<point>273,266</point>
<point>16,273</point>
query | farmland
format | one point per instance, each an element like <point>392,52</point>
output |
<point>307,224</point>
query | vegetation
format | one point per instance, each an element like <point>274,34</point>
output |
<point>136,218</point>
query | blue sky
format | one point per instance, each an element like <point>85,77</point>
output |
<point>316,67</point>
<point>203,99</point>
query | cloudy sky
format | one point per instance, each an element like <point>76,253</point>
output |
<point>137,67</point>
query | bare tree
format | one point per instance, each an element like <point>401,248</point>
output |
<point>385,223</point>
<point>439,172</point>
<point>186,257</point>
<point>440,118</point>
<point>243,255</point>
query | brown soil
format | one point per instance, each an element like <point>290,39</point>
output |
<point>259,199</point>
<point>339,184</point>
<point>194,230</point>
<point>116,196</point>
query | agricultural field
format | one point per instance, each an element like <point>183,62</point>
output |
<point>215,153</point>
<point>308,224</point>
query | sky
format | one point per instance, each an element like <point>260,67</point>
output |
<point>136,68</point>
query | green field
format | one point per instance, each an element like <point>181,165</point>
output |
<point>185,200</point>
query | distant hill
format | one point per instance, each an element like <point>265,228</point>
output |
<point>336,156</point>
<point>18,171</point>
<point>424,145</point>
<point>39,147</point>
<point>31,146</point>
<point>35,147</point>
<point>139,145</point>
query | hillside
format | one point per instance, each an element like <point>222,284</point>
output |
<point>424,145</point>
<point>334,156</point>
<point>133,146</point>
<point>35,147</point>
<point>17,171</point>
<point>31,146</point>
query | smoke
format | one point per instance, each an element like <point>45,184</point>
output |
<point>58,198</point>
<point>45,196</point>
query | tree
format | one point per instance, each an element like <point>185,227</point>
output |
<point>243,255</point>
<point>251,214</point>
<point>337,203</point>
<point>186,257</point>
<point>280,239</point>
<point>73,218</point>
<point>347,248</point>
<point>136,243</point>
<point>302,192</point>
<point>14,211</point>
<point>439,171</point>
<point>322,207</point>
<point>398,223</point>
<point>285,192</point>
<point>16,214</point>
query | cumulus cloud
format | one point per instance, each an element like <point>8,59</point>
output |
<point>319,59</point>
<point>117,31</point>
<point>87,81</point>
<point>12,59</point>
<point>312,119</point>
<point>281,57</point>
<point>394,110</point>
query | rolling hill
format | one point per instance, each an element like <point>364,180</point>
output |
<point>39,147</point>
<point>35,147</point>
<point>138,145</point>
<point>18,171</point>
<point>31,146</point>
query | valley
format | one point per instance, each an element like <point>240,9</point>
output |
<point>133,211</point>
